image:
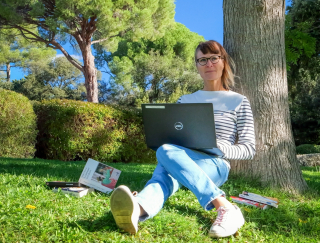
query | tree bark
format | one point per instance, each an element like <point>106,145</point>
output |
<point>254,38</point>
<point>90,74</point>
<point>8,72</point>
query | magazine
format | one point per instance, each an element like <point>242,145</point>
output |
<point>99,176</point>
<point>261,199</point>
<point>249,202</point>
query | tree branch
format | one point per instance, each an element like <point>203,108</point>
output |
<point>50,43</point>
<point>92,25</point>
<point>111,74</point>
<point>67,55</point>
<point>101,40</point>
<point>120,34</point>
<point>36,37</point>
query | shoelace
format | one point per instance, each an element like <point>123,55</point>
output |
<point>222,211</point>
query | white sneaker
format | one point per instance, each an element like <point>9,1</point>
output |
<point>228,222</point>
<point>125,209</point>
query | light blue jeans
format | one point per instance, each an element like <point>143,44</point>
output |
<point>201,173</point>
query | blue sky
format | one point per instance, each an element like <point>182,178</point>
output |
<point>204,17</point>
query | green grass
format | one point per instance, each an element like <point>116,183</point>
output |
<point>61,218</point>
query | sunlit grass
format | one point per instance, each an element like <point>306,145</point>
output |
<point>56,217</point>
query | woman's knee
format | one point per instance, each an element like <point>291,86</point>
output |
<point>164,149</point>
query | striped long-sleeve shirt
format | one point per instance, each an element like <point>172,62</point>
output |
<point>233,122</point>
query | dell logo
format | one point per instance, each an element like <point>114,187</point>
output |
<point>178,125</point>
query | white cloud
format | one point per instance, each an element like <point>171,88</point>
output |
<point>78,57</point>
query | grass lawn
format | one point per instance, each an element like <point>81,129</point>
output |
<point>61,218</point>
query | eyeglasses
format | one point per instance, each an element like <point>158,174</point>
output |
<point>204,60</point>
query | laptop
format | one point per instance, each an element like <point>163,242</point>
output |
<point>190,125</point>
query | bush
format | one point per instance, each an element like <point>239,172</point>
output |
<point>17,125</point>
<point>76,130</point>
<point>308,149</point>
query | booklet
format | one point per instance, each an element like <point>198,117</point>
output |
<point>99,176</point>
<point>63,184</point>
<point>74,191</point>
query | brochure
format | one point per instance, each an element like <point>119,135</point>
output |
<point>99,176</point>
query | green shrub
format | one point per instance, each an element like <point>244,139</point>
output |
<point>308,149</point>
<point>17,125</point>
<point>71,130</point>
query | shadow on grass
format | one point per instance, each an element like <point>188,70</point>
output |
<point>200,215</point>
<point>133,175</point>
<point>42,168</point>
<point>104,223</point>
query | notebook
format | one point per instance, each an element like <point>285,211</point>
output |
<point>190,125</point>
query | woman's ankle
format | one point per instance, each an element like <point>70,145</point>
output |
<point>221,201</point>
<point>142,211</point>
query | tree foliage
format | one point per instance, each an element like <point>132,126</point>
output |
<point>299,42</point>
<point>59,79</point>
<point>305,105</point>
<point>84,23</point>
<point>303,58</point>
<point>16,51</point>
<point>153,71</point>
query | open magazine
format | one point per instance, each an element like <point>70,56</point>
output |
<point>99,176</point>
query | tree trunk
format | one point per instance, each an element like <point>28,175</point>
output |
<point>88,69</point>
<point>8,72</point>
<point>254,38</point>
<point>90,74</point>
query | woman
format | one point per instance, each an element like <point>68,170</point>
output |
<point>201,172</point>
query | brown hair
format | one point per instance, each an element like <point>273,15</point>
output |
<point>215,47</point>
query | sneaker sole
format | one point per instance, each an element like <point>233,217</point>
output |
<point>122,208</point>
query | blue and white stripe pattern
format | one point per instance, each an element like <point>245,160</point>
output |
<point>233,122</point>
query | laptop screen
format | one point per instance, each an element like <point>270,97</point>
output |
<point>190,125</point>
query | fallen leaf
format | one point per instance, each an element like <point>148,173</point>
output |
<point>30,206</point>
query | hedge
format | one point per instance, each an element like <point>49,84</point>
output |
<point>308,149</point>
<point>17,126</point>
<point>76,130</point>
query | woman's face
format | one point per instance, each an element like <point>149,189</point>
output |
<point>210,71</point>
